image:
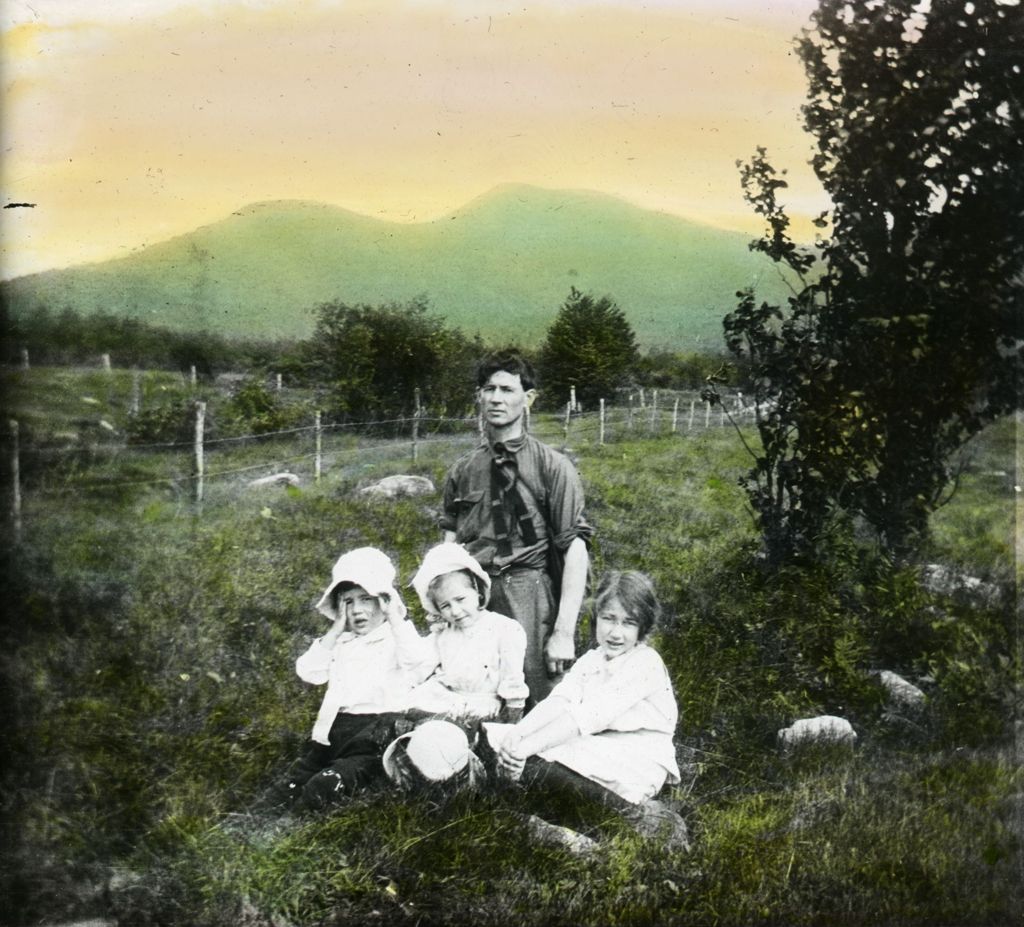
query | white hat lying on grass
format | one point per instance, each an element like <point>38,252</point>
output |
<point>435,752</point>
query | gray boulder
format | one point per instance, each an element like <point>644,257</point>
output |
<point>276,479</point>
<point>399,487</point>
<point>899,692</point>
<point>824,728</point>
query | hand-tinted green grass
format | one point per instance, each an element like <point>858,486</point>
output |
<point>150,693</point>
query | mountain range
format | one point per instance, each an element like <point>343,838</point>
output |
<point>500,266</point>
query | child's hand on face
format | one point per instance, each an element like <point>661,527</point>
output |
<point>329,639</point>
<point>392,608</point>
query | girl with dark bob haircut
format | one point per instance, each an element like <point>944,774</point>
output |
<point>604,734</point>
<point>635,592</point>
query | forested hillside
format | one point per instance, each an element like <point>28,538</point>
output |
<point>498,267</point>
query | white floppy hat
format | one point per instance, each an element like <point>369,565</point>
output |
<point>438,749</point>
<point>447,558</point>
<point>366,567</point>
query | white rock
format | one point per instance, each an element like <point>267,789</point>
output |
<point>823,727</point>
<point>944,580</point>
<point>901,692</point>
<point>276,479</point>
<point>398,487</point>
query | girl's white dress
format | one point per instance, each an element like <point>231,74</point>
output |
<point>477,668</point>
<point>626,712</point>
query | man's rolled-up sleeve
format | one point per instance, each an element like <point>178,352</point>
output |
<point>565,507</point>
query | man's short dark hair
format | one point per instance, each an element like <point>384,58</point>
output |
<point>510,362</point>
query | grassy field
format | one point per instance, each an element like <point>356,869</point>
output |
<point>150,693</point>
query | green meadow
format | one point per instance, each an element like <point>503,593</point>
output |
<point>150,690</point>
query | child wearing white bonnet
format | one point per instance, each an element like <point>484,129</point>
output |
<point>478,654</point>
<point>370,659</point>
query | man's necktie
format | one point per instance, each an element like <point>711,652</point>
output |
<point>507,504</point>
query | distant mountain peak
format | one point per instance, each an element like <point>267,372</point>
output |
<point>500,266</point>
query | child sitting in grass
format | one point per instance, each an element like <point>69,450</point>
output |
<point>478,654</point>
<point>604,734</point>
<point>370,660</point>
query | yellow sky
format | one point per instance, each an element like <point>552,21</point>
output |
<point>131,121</point>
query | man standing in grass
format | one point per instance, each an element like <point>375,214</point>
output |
<point>517,506</point>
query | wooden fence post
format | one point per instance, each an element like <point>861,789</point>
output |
<point>600,430</point>
<point>707,414</point>
<point>630,420</point>
<point>675,415</point>
<point>105,362</point>
<point>572,396</point>
<point>565,427</point>
<point>192,375</point>
<point>654,410</point>
<point>689,421</point>
<point>318,435</point>
<point>279,382</point>
<point>135,404</point>
<point>416,427</point>
<point>643,401</point>
<point>200,423</point>
<point>24,358</point>
<point>15,483</point>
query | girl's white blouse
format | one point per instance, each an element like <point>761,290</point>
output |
<point>627,713</point>
<point>477,668</point>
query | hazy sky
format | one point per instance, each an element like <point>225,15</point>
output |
<point>129,121</point>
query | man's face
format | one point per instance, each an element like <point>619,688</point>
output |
<point>504,399</point>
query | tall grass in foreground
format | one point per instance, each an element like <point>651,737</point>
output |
<point>150,692</point>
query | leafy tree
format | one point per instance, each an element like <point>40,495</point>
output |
<point>591,346</point>
<point>372,359</point>
<point>255,408</point>
<point>903,336</point>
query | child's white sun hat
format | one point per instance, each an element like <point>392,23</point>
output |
<point>438,749</point>
<point>367,567</point>
<point>448,557</point>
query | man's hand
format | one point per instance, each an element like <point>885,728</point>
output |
<point>559,652</point>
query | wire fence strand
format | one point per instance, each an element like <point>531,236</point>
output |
<point>632,421</point>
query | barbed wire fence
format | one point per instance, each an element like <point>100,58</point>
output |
<point>107,462</point>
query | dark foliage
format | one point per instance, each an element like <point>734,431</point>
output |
<point>591,346</point>
<point>67,337</point>
<point>373,358</point>
<point>665,369</point>
<point>903,340</point>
